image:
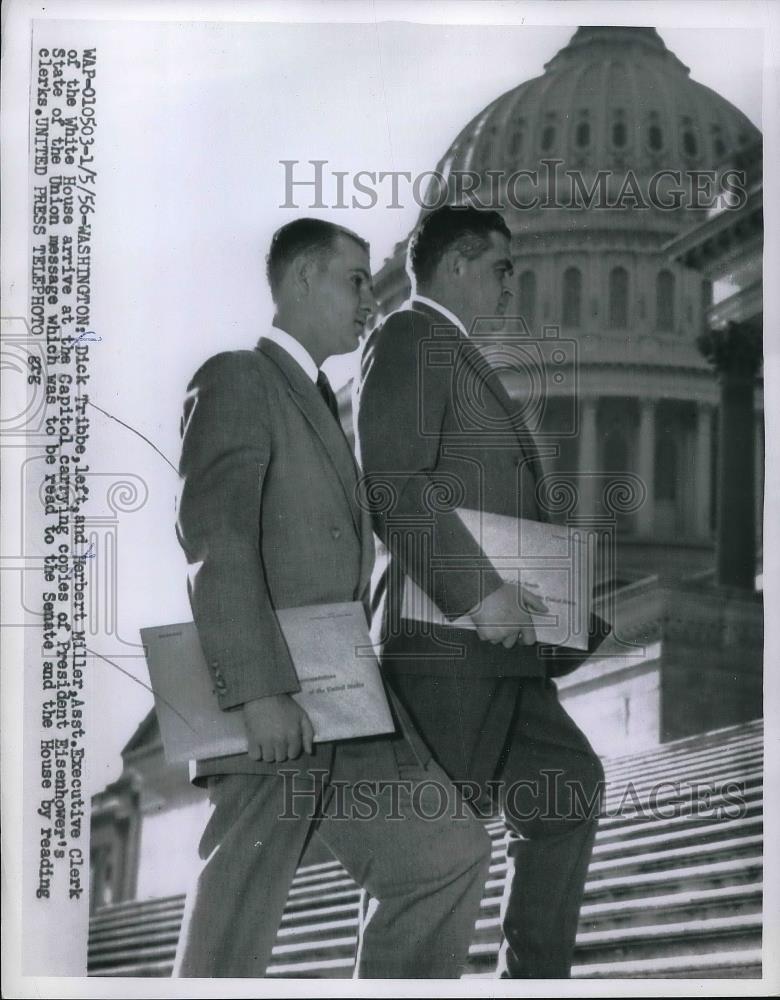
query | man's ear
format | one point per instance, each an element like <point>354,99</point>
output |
<point>302,268</point>
<point>452,263</point>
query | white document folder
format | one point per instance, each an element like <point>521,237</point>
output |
<point>341,687</point>
<point>553,562</point>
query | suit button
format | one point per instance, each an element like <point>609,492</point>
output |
<point>336,532</point>
<point>219,680</point>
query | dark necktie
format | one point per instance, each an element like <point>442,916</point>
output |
<point>328,394</point>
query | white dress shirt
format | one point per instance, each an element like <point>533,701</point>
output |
<point>443,310</point>
<point>295,349</point>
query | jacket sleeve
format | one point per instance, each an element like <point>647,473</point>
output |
<point>408,493</point>
<point>226,449</point>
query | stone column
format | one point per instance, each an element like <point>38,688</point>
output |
<point>588,457</point>
<point>736,354</point>
<point>702,470</point>
<point>646,466</point>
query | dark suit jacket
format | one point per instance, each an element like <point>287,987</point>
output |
<point>268,518</point>
<point>437,430</point>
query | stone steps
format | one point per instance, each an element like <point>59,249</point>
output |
<point>672,895</point>
<point>702,936</point>
<point>657,908</point>
<point>742,964</point>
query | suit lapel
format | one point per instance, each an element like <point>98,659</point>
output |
<point>479,363</point>
<point>489,377</point>
<point>307,398</point>
<point>492,380</point>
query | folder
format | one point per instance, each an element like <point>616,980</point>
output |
<point>341,686</point>
<point>552,561</point>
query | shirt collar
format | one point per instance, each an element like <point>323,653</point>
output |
<point>295,349</point>
<point>432,304</point>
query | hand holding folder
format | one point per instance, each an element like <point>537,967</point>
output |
<point>277,728</point>
<point>341,687</point>
<point>506,615</point>
<point>552,562</point>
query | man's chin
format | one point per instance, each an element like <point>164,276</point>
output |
<point>348,348</point>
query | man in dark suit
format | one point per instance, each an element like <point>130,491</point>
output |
<point>437,431</point>
<point>268,519</point>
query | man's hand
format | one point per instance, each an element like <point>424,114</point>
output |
<point>277,729</point>
<point>505,616</point>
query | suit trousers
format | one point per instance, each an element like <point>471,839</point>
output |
<point>516,749</point>
<point>380,811</point>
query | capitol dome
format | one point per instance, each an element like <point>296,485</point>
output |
<point>637,399</point>
<point>613,98</point>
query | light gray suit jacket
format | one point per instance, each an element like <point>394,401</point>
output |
<point>268,518</point>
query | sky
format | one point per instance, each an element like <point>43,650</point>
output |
<point>193,121</point>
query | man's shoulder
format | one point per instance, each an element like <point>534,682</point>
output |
<point>398,335</point>
<point>235,384</point>
<point>408,318</point>
<point>232,367</point>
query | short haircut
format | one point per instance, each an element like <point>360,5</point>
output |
<point>303,236</point>
<point>462,228</point>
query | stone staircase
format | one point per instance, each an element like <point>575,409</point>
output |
<point>674,887</point>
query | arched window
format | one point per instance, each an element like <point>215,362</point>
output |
<point>619,129</point>
<point>618,298</point>
<point>582,135</point>
<point>690,143</point>
<point>718,143</point>
<point>548,138</point>
<point>518,137</point>
<point>664,301</point>
<point>528,297</point>
<point>572,295</point>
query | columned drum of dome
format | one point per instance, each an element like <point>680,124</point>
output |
<point>597,165</point>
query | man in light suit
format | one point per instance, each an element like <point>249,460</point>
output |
<point>269,519</point>
<point>436,431</point>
